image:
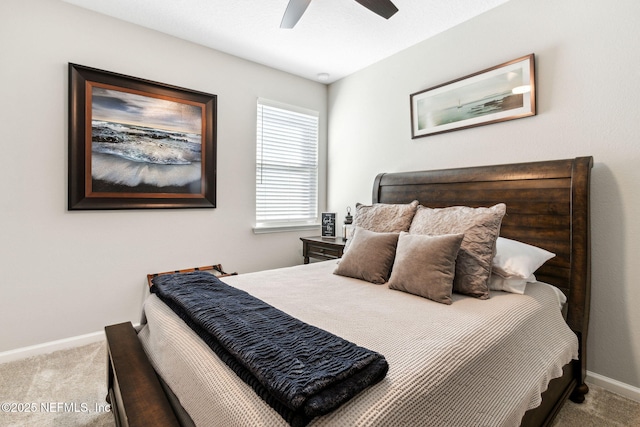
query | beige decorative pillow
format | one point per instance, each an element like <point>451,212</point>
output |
<point>385,218</point>
<point>480,227</point>
<point>426,265</point>
<point>370,257</point>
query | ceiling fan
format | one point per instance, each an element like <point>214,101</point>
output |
<point>295,10</point>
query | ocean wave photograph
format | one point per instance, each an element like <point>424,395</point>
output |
<point>142,144</point>
<point>117,174</point>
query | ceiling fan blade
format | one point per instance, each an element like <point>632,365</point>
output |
<point>293,13</point>
<point>384,8</point>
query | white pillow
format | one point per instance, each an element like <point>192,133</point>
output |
<point>515,259</point>
<point>515,285</point>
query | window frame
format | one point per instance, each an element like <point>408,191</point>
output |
<point>270,226</point>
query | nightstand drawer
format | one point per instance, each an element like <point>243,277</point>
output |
<point>323,248</point>
<point>321,251</point>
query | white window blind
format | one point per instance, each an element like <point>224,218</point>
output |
<point>286,166</point>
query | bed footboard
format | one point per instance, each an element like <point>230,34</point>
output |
<point>134,391</point>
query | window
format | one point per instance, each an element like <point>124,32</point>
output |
<point>286,166</point>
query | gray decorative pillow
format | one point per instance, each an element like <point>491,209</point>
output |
<point>370,257</point>
<point>426,265</point>
<point>480,226</point>
<point>385,218</point>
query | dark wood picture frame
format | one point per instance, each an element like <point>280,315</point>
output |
<point>497,94</point>
<point>138,144</point>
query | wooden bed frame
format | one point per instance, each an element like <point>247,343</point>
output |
<point>547,206</point>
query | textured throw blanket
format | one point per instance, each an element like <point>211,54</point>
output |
<point>298,369</point>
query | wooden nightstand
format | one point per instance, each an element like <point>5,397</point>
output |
<point>322,248</point>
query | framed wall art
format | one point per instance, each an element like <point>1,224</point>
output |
<point>504,92</point>
<point>328,224</point>
<point>136,144</point>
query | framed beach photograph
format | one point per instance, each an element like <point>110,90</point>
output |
<point>137,144</point>
<point>504,92</point>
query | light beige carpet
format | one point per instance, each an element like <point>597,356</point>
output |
<point>67,389</point>
<point>64,388</point>
<point>601,408</point>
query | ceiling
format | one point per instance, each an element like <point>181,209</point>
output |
<point>334,37</point>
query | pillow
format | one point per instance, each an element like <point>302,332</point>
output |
<point>517,259</point>
<point>426,265</point>
<point>480,227</point>
<point>515,285</point>
<point>370,257</point>
<point>385,218</point>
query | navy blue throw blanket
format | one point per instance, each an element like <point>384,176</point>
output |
<point>300,370</point>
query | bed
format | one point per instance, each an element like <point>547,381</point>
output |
<point>547,205</point>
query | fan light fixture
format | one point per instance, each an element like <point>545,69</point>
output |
<point>296,8</point>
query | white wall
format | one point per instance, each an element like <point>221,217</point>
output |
<point>64,274</point>
<point>588,90</point>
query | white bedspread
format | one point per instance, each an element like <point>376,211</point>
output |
<point>472,363</point>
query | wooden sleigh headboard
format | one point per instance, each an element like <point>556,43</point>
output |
<point>547,206</point>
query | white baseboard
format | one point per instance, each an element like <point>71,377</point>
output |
<point>615,386</point>
<point>49,347</point>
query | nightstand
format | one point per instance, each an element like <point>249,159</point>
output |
<point>322,248</point>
